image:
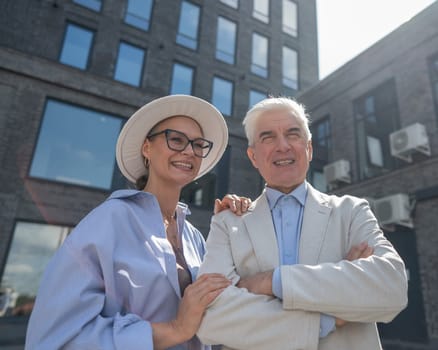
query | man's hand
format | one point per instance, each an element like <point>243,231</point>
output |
<point>260,283</point>
<point>238,205</point>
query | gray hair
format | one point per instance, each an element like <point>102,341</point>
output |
<point>274,104</point>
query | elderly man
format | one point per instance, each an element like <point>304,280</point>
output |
<point>309,270</point>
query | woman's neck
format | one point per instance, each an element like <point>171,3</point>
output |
<point>167,198</point>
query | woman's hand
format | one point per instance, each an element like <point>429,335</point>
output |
<point>238,205</point>
<point>195,301</point>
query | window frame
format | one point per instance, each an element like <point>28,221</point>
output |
<point>370,125</point>
<point>193,71</point>
<point>184,36</point>
<point>142,68</point>
<point>64,230</point>
<point>285,78</point>
<point>260,16</point>
<point>231,55</point>
<point>147,20</point>
<point>116,178</point>
<point>287,29</point>
<point>257,69</point>
<point>90,48</point>
<point>219,78</point>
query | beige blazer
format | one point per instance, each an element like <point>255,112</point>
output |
<point>362,292</point>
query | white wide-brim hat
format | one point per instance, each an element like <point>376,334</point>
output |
<point>129,144</point>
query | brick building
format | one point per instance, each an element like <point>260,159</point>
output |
<point>71,72</point>
<point>375,135</point>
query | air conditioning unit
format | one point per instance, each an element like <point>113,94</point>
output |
<point>338,171</point>
<point>412,138</point>
<point>394,209</point>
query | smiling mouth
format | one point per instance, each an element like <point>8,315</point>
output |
<point>284,162</point>
<point>183,165</point>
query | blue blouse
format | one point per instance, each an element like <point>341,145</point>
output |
<point>113,275</point>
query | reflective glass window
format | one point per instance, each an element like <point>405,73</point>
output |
<point>76,145</point>
<point>138,13</point>
<point>182,79</point>
<point>261,10</point>
<point>259,60</point>
<point>255,96</point>
<point>223,95</point>
<point>188,25</point>
<point>76,47</point>
<point>290,23</point>
<point>290,68</point>
<point>225,40</point>
<point>33,245</point>
<point>129,66</point>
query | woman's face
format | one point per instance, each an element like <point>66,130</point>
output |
<point>167,165</point>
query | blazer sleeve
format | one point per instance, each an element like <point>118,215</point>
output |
<point>242,320</point>
<point>364,290</point>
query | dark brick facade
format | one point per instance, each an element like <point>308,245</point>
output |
<point>403,58</point>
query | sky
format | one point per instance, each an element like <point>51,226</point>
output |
<point>348,27</point>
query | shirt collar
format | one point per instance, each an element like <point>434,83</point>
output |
<point>182,209</point>
<point>300,194</point>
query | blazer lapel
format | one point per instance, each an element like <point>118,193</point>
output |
<point>261,231</point>
<point>314,228</point>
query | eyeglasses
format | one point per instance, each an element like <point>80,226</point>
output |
<point>178,141</point>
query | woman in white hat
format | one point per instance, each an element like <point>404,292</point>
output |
<point>125,278</point>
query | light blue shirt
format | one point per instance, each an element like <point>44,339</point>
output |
<point>287,215</point>
<point>114,275</point>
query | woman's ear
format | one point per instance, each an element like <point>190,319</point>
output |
<point>145,148</point>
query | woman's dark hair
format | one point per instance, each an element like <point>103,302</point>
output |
<point>141,182</point>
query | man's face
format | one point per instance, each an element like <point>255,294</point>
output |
<point>280,151</point>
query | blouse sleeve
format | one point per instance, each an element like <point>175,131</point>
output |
<point>68,309</point>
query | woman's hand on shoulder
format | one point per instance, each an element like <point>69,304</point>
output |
<point>237,204</point>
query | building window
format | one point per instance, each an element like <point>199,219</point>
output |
<point>376,116</point>
<point>77,146</point>
<point>290,22</point>
<point>225,40</point>
<point>223,95</point>
<point>261,10</point>
<point>202,192</point>
<point>77,46</point>
<point>290,68</point>
<point>255,96</point>
<point>32,246</point>
<point>322,151</point>
<point>94,5</point>
<point>188,25</point>
<point>232,3</point>
<point>182,79</point>
<point>433,68</point>
<point>129,66</point>
<point>138,13</point>
<point>259,58</point>
<point>322,139</point>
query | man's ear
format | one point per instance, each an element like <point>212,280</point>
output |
<point>251,155</point>
<point>310,150</point>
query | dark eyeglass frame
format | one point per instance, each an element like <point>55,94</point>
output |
<point>195,147</point>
